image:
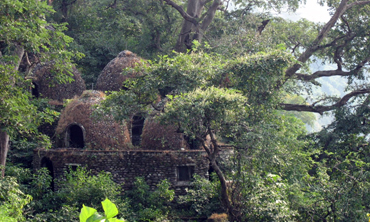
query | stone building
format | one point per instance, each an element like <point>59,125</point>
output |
<point>138,148</point>
<point>45,85</point>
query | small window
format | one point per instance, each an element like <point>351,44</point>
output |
<point>185,173</point>
<point>72,167</point>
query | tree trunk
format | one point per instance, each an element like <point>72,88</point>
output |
<point>4,148</point>
<point>195,31</point>
<point>4,137</point>
<point>213,153</point>
<point>185,39</point>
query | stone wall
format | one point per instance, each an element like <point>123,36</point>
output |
<point>124,166</point>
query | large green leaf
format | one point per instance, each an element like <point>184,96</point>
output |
<point>110,208</point>
<point>86,213</point>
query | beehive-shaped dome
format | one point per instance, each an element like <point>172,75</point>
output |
<point>77,128</point>
<point>46,86</point>
<point>162,137</point>
<point>111,78</point>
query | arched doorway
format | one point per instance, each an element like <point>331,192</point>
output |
<point>137,125</point>
<point>75,136</point>
<point>47,163</point>
<point>35,90</point>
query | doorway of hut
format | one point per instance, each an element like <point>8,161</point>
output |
<point>75,136</point>
<point>137,129</point>
<point>48,164</point>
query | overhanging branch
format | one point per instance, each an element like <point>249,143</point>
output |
<point>321,109</point>
<point>185,15</point>
<point>327,73</point>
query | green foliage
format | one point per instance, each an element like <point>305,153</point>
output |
<point>203,198</point>
<point>222,110</point>
<point>12,200</point>
<point>101,29</point>
<point>23,27</point>
<point>337,188</point>
<point>268,169</point>
<point>147,205</point>
<point>80,187</point>
<point>89,214</point>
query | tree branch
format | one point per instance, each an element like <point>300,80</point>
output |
<point>185,15</point>
<point>326,73</point>
<point>321,109</point>
<point>315,44</point>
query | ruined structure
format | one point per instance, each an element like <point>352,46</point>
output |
<point>111,78</point>
<point>176,166</point>
<point>46,86</point>
<point>78,129</point>
<point>141,147</point>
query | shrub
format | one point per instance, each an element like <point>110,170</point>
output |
<point>146,205</point>
<point>203,198</point>
<point>12,200</point>
<point>80,187</point>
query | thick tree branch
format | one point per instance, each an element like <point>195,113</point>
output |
<point>321,109</point>
<point>326,73</point>
<point>358,3</point>
<point>315,44</point>
<point>210,14</point>
<point>185,15</point>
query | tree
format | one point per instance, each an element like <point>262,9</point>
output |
<point>102,29</point>
<point>191,87</point>
<point>196,98</point>
<point>197,20</point>
<point>24,31</point>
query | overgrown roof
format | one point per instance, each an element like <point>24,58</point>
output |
<point>43,78</point>
<point>111,78</point>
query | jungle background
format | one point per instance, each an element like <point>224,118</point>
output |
<point>233,70</point>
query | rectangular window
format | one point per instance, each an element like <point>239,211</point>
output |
<point>72,167</point>
<point>185,173</point>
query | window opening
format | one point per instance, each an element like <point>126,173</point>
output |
<point>75,137</point>
<point>35,90</point>
<point>72,167</point>
<point>137,129</point>
<point>48,164</point>
<point>185,173</point>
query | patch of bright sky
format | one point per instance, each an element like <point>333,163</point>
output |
<point>311,11</point>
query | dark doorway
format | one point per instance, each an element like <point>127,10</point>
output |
<point>75,136</point>
<point>46,162</point>
<point>35,90</point>
<point>137,129</point>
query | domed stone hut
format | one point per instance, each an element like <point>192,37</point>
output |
<point>111,78</point>
<point>146,133</point>
<point>46,86</point>
<point>156,136</point>
<point>77,128</point>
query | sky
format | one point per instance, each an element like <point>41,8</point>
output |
<point>311,11</point>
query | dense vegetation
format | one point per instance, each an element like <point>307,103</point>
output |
<point>237,75</point>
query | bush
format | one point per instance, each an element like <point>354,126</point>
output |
<point>79,187</point>
<point>203,199</point>
<point>146,205</point>
<point>12,200</point>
